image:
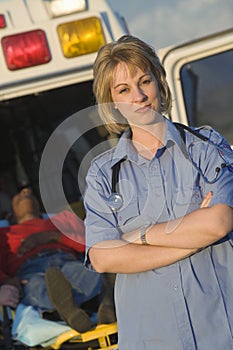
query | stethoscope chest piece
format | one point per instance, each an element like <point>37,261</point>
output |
<point>115,201</point>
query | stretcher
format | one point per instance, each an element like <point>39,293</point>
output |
<point>100,337</point>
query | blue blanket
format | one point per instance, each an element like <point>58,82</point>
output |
<point>31,329</point>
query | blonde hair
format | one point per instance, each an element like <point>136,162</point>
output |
<point>133,52</point>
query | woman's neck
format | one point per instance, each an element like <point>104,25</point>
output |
<point>148,139</point>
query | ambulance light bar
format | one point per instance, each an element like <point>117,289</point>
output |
<point>26,49</point>
<point>81,37</point>
<point>58,8</point>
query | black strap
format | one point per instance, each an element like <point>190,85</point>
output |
<point>181,128</point>
<point>115,175</point>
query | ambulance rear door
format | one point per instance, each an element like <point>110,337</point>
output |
<point>200,75</point>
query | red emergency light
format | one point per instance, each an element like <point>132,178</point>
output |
<point>26,49</point>
<point>2,21</point>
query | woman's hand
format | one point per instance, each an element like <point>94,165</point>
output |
<point>206,200</point>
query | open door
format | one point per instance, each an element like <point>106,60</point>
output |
<point>200,75</point>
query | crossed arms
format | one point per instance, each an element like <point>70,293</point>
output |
<point>167,242</point>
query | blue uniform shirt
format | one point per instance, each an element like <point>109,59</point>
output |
<point>189,304</point>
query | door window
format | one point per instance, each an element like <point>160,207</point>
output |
<point>207,86</point>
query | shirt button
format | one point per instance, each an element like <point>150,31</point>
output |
<point>153,168</point>
<point>196,196</point>
<point>175,287</point>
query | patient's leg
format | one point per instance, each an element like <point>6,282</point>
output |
<point>61,296</point>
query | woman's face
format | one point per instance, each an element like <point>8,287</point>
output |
<point>136,95</point>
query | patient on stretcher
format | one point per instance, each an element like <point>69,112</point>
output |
<point>42,261</point>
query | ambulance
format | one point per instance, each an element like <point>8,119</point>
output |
<point>47,52</point>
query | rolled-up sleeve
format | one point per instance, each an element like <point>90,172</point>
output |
<point>100,221</point>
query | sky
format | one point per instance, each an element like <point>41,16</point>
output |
<point>163,23</point>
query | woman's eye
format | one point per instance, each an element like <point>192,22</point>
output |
<point>146,82</point>
<point>122,91</point>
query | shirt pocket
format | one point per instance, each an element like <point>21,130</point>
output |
<point>129,217</point>
<point>186,200</point>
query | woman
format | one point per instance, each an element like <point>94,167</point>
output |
<point>172,257</point>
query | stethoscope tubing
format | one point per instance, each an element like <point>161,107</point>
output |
<point>217,169</point>
<point>115,200</point>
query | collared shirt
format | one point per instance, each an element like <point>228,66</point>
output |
<point>189,304</point>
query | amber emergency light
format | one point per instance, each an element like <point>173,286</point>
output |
<point>26,49</point>
<point>81,37</point>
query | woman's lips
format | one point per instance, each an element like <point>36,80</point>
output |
<point>143,109</point>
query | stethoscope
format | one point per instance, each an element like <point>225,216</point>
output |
<point>217,169</point>
<point>115,200</point>
<point>180,127</point>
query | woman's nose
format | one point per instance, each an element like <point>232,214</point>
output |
<point>138,95</point>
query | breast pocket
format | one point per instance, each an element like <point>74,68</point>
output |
<point>186,200</point>
<point>129,217</point>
